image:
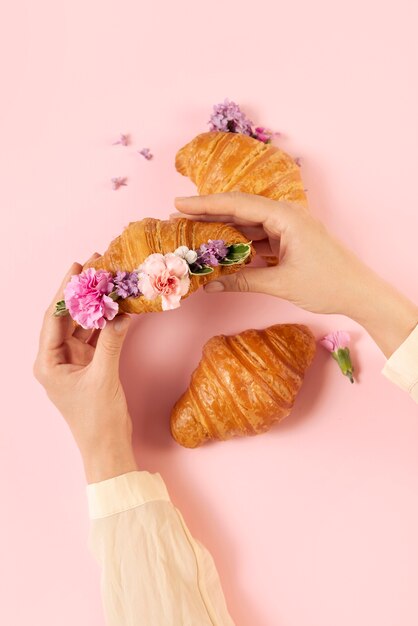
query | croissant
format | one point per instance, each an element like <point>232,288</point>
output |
<point>148,236</point>
<point>243,384</point>
<point>216,162</point>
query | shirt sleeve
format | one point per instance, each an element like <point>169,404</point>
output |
<point>152,570</point>
<point>402,367</point>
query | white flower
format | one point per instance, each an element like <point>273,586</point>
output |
<point>191,256</point>
<point>181,251</point>
<point>185,253</point>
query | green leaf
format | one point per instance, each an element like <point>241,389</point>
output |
<point>237,253</point>
<point>239,248</point>
<point>342,356</point>
<point>60,309</point>
<point>114,295</point>
<point>200,271</point>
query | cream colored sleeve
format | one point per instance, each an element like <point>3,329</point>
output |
<point>153,572</point>
<point>402,367</point>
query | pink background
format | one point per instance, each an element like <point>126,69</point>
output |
<point>314,524</point>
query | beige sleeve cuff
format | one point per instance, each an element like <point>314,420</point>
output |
<point>402,367</point>
<point>124,492</point>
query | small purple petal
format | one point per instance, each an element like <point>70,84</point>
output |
<point>145,152</point>
<point>118,182</point>
<point>122,141</point>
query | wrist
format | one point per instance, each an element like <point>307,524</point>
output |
<point>387,315</point>
<point>108,460</point>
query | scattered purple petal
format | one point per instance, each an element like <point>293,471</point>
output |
<point>298,161</point>
<point>122,141</point>
<point>118,182</point>
<point>146,153</point>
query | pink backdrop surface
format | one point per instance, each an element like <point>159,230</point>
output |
<point>315,523</point>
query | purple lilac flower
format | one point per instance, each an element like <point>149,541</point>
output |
<point>122,141</point>
<point>126,284</point>
<point>228,117</point>
<point>146,153</point>
<point>118,181</point>
<point>211,253</point>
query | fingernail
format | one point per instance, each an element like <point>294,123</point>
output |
<point>180,198</point>
<point>215,286</point>
<point>121,323</point>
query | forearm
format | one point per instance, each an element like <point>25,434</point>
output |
<point>387,315</point>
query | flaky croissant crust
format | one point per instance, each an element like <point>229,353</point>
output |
<point>243,384</point>
<point>217,162</point>
<point>147,236</point>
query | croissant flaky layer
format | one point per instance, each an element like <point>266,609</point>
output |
<point>217,162</point>
<point>243,384</point>
<point>148,236</point>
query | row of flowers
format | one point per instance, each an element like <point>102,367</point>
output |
<point>91,298</point>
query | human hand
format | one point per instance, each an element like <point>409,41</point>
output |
<point>79,370</point>
<point>315,271</point>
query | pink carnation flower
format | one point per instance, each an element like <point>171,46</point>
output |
<point>333,341</point>
<point>166,276</point>
<point>87,298</point>
<point>337,344</point>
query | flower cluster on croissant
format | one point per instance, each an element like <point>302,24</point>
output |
<point>151,267</point>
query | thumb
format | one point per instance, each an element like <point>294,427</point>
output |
<point>259,280</point>
<point>110,342</point>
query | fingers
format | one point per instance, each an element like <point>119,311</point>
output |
<point>257,280</point>
<point>263,248</point>
<point>251,231</point>
<point>109,344</point>
<point>250,207</point>
<point>56,329</point>
<point>226,219</point>
<point>82,334</point>
<point>94,338</point>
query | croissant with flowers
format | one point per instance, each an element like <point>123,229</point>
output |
<point>151,267</point>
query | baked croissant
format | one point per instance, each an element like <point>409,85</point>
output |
<point>243,384</point>
<point>216,162</point>
<point>148,236</point>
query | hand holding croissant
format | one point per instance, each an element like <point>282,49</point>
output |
<point>316,271</point>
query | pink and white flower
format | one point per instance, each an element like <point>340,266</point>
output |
<point>166,276</point>
<point>87,298</point>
